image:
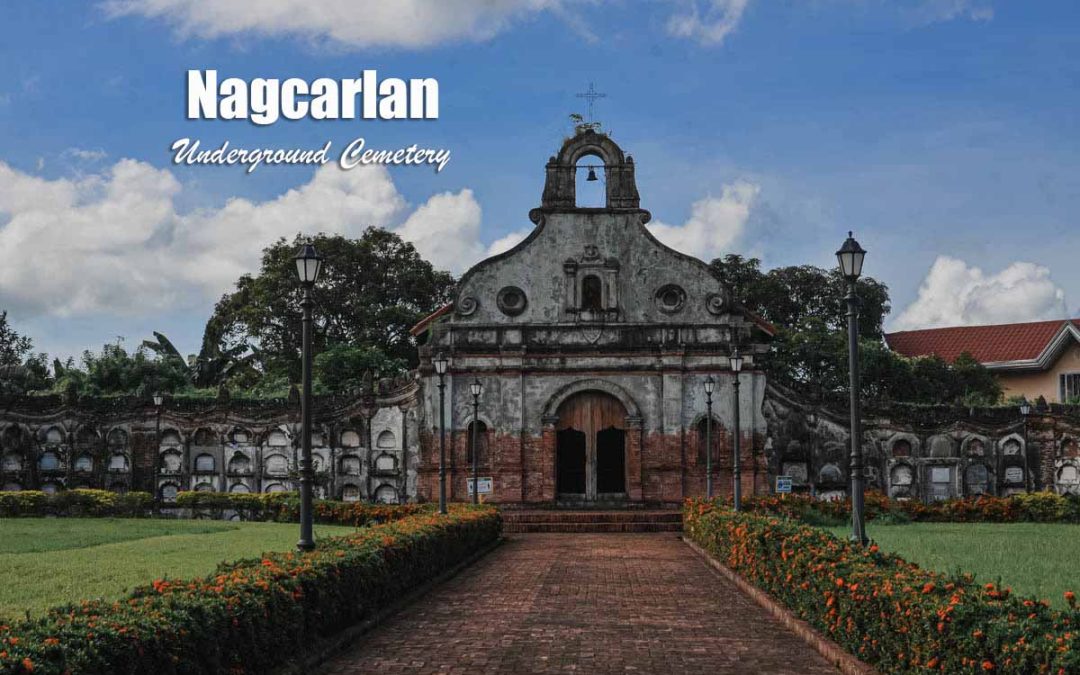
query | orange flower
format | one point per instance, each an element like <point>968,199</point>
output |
<point>28,665</point>
<point>1070,598</point>
<point>988,665</point>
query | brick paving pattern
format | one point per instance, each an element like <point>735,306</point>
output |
<point>587,603</point>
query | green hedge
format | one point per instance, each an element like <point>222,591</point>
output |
<point>1035,507</point>
<point>890,613</point>
<point>250,616</point>
<point>284,507</point>
<point>80,502</point>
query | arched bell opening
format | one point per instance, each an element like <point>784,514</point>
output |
<point>590,182</point>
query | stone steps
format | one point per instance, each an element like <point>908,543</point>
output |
<point>591,521</point>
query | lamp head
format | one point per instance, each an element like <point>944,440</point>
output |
<point>710,385</point>
<point>850,256</point>
<point>440,362</point>
<point>1025,407</point>
<point>476,388</point>
<point>736,360</point>
<point>308,264</point>
<point>158,399</point>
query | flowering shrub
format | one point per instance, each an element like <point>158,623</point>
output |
<point>1042,507</point>
<point>889,612</point>
<point>81,502</point>
<point>253,615</point>
<point>284,507</point>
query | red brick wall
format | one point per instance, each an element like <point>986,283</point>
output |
<point>660,467</point>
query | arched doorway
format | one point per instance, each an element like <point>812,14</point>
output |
<point>590,457</point>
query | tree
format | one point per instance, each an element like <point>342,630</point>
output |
<point>214,365</point>
<point>370,292</point>
<point>115,371</point>
<point>808,306</point>
<point>803,297</point>
<point>341,368</point>
<point>13,347</point>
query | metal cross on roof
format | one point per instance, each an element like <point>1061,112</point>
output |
<point>591,95</point>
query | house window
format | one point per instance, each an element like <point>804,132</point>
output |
<point>1070,388</point>
<point>204,462</point>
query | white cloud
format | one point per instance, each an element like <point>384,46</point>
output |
<point>933,11</point>
<point>711,26</point>
<point>85,154</point>
<point>446,230</point>
<point>508,242</point>
<point>399,23</point>
<point>115,242</point>
<point>955,293</point>
<point>715,224</point>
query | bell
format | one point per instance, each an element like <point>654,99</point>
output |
<point>592,176</point>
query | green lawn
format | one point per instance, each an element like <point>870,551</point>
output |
<point>46,562</point>
<point>1036,559</point>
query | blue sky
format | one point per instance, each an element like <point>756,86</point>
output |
<point>944,132</point>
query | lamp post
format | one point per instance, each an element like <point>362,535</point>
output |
<point>441,362</point>
<point>710,384</point>
<point>476,388</point>
<point>1025,410</point>
<point>158,400</point>
<point>850,257</point>
<point>308,264</point>
<point>736,361</point>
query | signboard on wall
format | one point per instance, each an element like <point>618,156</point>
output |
<point>483,485</point>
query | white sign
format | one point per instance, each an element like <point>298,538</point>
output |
<point>783,484</point>
<point>483,485</point>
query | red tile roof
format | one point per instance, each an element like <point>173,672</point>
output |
<point>423,324</point>
<point>988,344</point>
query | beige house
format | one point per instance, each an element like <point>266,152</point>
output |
<point>1035,359</point>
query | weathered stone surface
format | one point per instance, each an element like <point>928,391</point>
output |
<point>363,448</point>
<point>590,303</point>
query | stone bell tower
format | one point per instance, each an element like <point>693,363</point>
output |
<point>592,341</point>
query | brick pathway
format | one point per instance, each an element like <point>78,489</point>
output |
<point>588,603</point>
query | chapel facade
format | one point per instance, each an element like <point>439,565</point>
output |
<point>592,342</point>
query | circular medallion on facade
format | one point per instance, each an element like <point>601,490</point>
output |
<point>467,306</point>
<point>670,298</point>
<point>511,300</point>
<point>715,303</point>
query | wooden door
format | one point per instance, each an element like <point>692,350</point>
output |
<point>601,420</point>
